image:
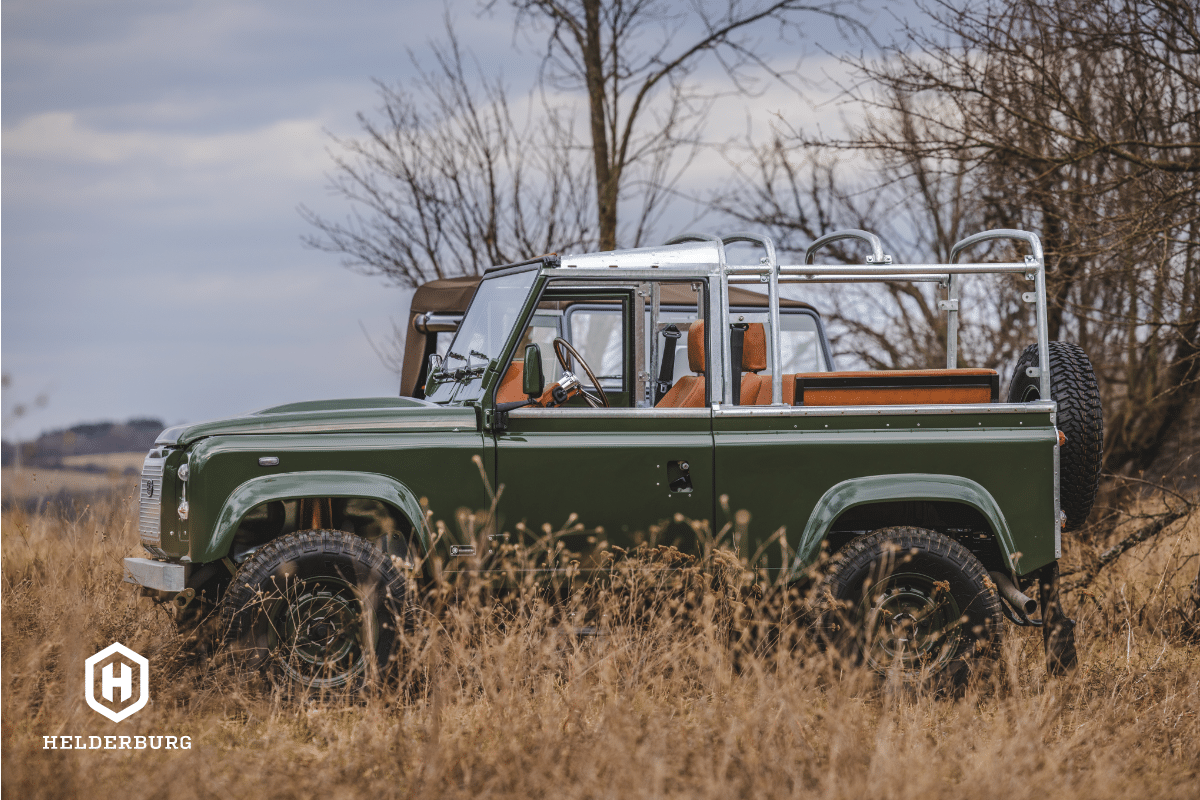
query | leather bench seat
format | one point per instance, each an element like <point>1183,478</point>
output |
<point>904,387</point>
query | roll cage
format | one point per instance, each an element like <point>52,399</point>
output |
<point>701,259</point>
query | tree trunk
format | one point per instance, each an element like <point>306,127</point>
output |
<point>606,177</point>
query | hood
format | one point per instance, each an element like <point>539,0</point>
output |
<point>383,414</point>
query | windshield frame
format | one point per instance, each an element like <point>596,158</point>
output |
<point>455,383</point>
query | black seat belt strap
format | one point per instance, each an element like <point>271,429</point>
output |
<point>666,370</point>
<point>737,341</point>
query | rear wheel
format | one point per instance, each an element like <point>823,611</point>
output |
<point>914,603</point>
<point>317,609</point>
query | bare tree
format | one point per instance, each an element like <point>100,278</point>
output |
<point>1080,120</point>
<point>452,179</point>
<point>634,61</point>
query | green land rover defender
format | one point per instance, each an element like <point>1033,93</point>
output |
<point>630,390</point>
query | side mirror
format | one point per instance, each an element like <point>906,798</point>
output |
<point>532,381</point>
<point>434,364</point>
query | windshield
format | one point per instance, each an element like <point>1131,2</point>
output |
<point>481,335</point>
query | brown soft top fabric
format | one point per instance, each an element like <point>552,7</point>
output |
<point>446,295</point>
<point>453,295</point>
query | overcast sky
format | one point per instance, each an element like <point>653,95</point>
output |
<point>154,155</point>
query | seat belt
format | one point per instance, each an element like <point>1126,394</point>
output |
<point>737,342</point>
<point>666,370</point>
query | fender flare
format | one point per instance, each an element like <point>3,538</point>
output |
<point>317,483</point>
<point>887,488</point>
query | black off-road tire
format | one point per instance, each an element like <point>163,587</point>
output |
<point>916,604</point>
<point>1080,418</point>
<point>316,610</point>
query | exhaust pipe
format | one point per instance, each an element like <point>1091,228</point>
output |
<point>1009,591</point>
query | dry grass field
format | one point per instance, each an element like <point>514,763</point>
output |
<point>34,485</point>
<point>504,701</point>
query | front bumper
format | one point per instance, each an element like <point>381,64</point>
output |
<point>159,575</point>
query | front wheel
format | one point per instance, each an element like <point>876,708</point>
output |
<point>316,609</point>
<point>915,603</point>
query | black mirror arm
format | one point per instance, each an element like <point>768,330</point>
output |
<point>504,407</point>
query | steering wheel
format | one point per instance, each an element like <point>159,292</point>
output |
<point>564,352</point>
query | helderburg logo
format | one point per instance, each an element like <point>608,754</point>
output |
<point>123,678</point>
<point>116,682</point>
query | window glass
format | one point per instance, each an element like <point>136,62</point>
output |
<point>799,344</point>
<point>542,331</point>
<point>481,334</point>
<point>599,336</point>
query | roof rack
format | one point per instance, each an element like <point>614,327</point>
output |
<point>703,255</point>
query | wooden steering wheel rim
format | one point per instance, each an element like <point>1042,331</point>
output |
<point>559,345</point>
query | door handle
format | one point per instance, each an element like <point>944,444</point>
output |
<point>679,476</point>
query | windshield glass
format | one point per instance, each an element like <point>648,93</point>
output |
<point>481,335</point>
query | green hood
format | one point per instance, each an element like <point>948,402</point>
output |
<point>331,416</point>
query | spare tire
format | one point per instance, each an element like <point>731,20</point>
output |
<point>1080,418</point>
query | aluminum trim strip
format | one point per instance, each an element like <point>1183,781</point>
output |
<point>727,412</point>
<point>350,426</point>
<point>610,413</point>
<point>1040,407</point>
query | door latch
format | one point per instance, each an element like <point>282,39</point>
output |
<point>679,478</point>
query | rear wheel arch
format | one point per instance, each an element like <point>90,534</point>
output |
<point>873,496</point>
<point>963,522</point>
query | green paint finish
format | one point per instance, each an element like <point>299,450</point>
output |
<point>782,469</point>
<point>176,532</point>
<point>887,488</point>
<point>415,471</point>
<point>375,414</point>
<point>612,473</point>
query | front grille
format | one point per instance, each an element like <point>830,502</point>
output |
<point>150,502</point>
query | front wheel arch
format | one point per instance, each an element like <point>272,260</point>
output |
<point>304,485</point>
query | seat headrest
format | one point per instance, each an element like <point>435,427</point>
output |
<point>754,348</point>
<point>696,347</point>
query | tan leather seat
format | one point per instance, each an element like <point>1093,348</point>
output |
<point>511,386</point>
<point>688,391</point>
<point>756,389</point>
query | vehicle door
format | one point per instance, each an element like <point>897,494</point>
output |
<point>585,479</point>
<point>765,465</point>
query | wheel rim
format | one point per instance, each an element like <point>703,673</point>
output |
<point>911,622</point>
<point>318,636</point>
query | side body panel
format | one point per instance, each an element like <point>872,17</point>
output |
<point>799,471</point>
<point>442,472</point>
<point>609,471</point>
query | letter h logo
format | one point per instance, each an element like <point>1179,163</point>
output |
<point>114,675</point>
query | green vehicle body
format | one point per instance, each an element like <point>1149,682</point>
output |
<point>810,477</point>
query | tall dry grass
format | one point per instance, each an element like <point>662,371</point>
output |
<point>505,700</point>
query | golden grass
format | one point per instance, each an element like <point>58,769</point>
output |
<point>107,461</point>
<point>32,483</point>
<point>506,702</point>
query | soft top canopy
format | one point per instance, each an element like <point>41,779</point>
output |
<point>453,295</point>
<point>446,295</point>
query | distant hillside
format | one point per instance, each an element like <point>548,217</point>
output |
<point>91,438</point>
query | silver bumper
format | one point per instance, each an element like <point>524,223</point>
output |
<point>156,574</point>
